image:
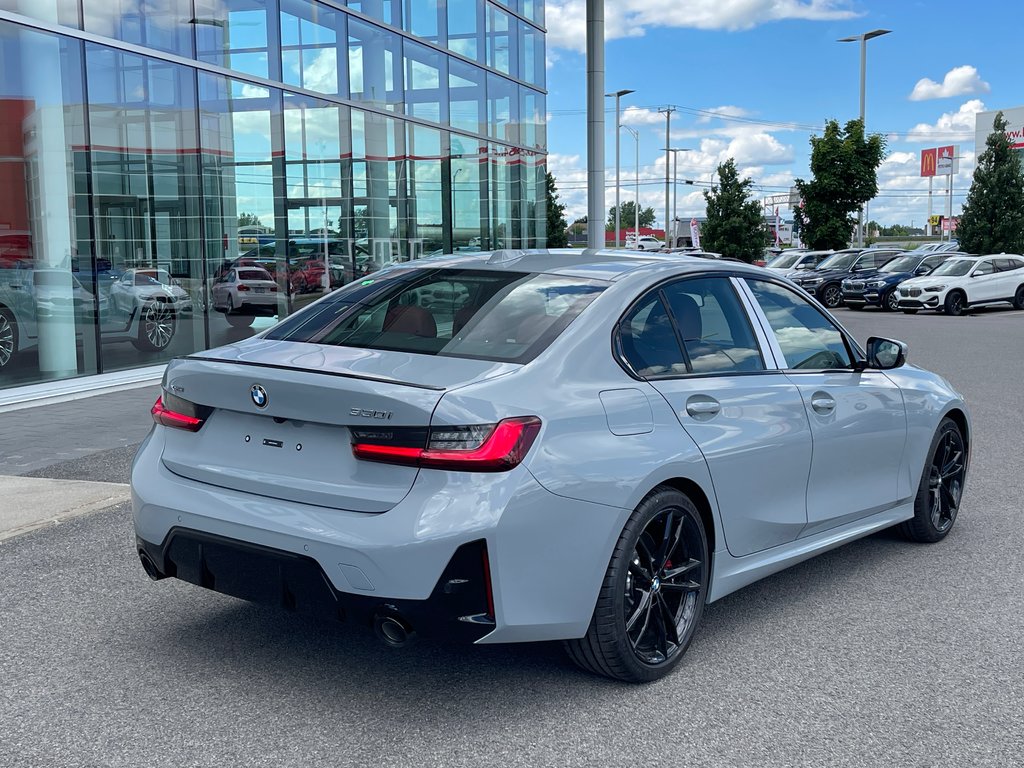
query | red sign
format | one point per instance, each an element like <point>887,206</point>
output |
<point>928,162</point>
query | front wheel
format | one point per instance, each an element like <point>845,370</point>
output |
<point>157,325</point>
<point>891,301</point>
<point>831,296</point>
<point>653,593</point>
<point>941,487</point>
<point>954,305</point>
<point>1018,298</point>
<point>8,338</point>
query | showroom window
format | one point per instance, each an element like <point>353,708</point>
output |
<point>235,34</point>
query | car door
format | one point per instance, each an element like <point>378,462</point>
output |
<point>984,282</point>
<point>747,419</point>
<point>1014,276</point>
<point>857,418</point>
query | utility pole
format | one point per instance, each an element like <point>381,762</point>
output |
<point>618,125</point>
<point>636,200</point>
<point>667,112</point>
<point>595,123</point>
<point>675,184</point>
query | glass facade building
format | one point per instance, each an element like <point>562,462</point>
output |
<point>179,174</point>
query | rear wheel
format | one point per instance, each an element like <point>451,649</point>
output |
<point>157,325</point>
<point>653,593</point>
<point>891,301</point>
<point>954,305</point>
<point>831,296</point>
<point>8,337</point>
<point>240,321</point>
<point>941,488</point>
<point>1018,298</point>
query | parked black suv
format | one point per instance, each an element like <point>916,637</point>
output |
<point>825,281</point>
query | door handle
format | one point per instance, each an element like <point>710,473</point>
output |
<point>822,403</point>
<point>702,407</point>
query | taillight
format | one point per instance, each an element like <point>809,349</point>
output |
<point>243,287</point>
<point>273,289</point>
<point>171,411</point>
<point>478,448</point>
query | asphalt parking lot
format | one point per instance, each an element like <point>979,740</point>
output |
<point>879,653</point>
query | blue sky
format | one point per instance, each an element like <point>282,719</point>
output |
<point>776,71</point>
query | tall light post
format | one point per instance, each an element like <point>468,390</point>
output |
<point>636,201</point>
<point>667,112</point>
<point>675,182</point>
<point>595,123</point>
<point>863,40</point>
<point>618,124</point>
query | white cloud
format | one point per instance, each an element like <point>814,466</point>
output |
<point>640,116</point>
<point>951,126</point>
<point>707,114</point>
<point>959,81</point>
<point>566,19</point>
<point>903,193</point>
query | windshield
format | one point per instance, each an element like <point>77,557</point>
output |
<point>954,267</point>
<point>482,314</point>
<point>785,260</point>
<point>839,261</point>
<point>902,264</point>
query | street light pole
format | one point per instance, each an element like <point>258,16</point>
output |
<point>636,200</point>
<point>863,40</point>
<point>675,185</point>
<point>667,112</point>
<point>618,124</point>
<point>595,124</point>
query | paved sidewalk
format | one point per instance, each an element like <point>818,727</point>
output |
<point>63,460</point>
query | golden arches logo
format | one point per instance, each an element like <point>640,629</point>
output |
<point>928,162</point>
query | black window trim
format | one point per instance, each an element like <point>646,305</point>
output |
<point>852,347</point>
<point>619,355</point>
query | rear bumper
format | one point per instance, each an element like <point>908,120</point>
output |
<point>547,554</point>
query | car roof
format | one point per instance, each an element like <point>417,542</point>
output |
<point>595,264</point>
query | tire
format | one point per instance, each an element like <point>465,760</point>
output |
<point>8,338</point>
<point>831,296</point>
<point>1018,298</point>
<point>240,321</point>
<point>910,311</point>
<point>613,646</point>
<point>890,301</point>
<point>954,304</point>
<point>157,326</point>
<point>942,486</point>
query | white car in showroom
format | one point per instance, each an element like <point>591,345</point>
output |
<point>966,281</point>
<point>241,293</point>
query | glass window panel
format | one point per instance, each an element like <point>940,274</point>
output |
<point>502,47</point>
<point>465,28</point>
<point>502,108</point>
<point>808,339</point>
<point>535,191</point>
<point>466,92</point>
<point>533,120</point>
<point>233,34</point>
<point>425,203</point>
<point>534,10</point>
<point>375,65</point>
<point>145,160</point>
<point>425,18</point>
<point>506,196</point>
<point>48,279</point>
<point>63,12</point>
<point>468,181</point>
<point>379,180</point>
<point>312,46</point>
<point>425,82</point>
<point>531,56</point>
<point>388,11</point>
<point>161,24</point>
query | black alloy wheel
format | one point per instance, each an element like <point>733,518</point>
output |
<point>831,296</point>
<point>891,301</point>
<point>653,594</point>
<point>8,338</point>
<point>941,488</point>
<point>1018,298</point>
<point>954,306</point>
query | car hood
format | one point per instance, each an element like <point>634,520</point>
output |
<point>824,274</point>
<point>930,280</point>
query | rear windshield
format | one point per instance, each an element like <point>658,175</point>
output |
<point>254,274</point>
<point>482,314</point>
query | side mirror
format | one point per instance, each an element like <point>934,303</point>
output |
<point>886,354</point>
<point>922,270</point>
<point>804,265</point>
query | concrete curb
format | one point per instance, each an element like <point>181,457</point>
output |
<point>30,503</point>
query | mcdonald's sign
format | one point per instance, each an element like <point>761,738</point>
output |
<point>928,161</point>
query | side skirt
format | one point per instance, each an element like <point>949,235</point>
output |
<point>732,573</point>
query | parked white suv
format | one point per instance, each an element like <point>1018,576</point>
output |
<point>966,281</point>
<point>645,243</point>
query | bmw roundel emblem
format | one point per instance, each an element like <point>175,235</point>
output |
<point>259,396</point>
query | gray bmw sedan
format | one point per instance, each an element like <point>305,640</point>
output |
<point>541,445</point>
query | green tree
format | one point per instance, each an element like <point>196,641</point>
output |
<point>993,217</point>
<point>844,165</point>
<point>557,236</point>
<point>627,216</point>
<point>248,220</point>
<point>735,225</point>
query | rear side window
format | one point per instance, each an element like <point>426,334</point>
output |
<point>483,314</point>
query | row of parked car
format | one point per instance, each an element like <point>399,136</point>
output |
<point>936,276</point>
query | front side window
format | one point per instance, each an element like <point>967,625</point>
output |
<point>482,314</point>
<point>714,327</point>
<point>808,339</point>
